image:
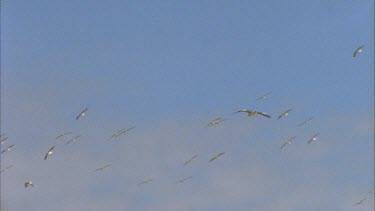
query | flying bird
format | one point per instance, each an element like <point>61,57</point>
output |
<point>191,159</point>
<point>120,132</point>
<point>73,139</point>
<point>102,168</point>
<point>145,182</point>
<point>359,202</point>
<point>62,135</point>
<point>358,50</point>
<point>288,142</point>
<point>29,183</point>
<point>313,138</point>
<point>49,152</point>
<point>307,120</point>
<point>216,156</point>
<point>7,149</point>
<point>253,113</point>
<point>6,169</point>
<point>82,113</point>
<point>3,140</point>
<point>263,96</point>
<point>215,121</point>
<point>285,113</point>
<point>183,179</point>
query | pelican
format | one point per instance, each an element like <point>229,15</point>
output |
<point>6,169</point>
<point>120,132</point>
<point>183,179</point>
<point>285,113</point>
<point>62,135</point>
<point>82,113</point>
<point>313,138</point>
<point>29,183</point>
<point>307,120</point>
<point>216,156</point>
<point>3,140</point>
<point>263,96</point>
<point>49,152</point>
<point>7,149</point>
<point>288,142</point>
<point>253,113</point>
<point>358,50</point>
<point>191,159</point>
<point>102,168</point>
<point>215,121</point>
<point>145,182</point>
<point>73,139</point>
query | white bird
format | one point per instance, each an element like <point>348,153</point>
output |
<point>263,96</point>
<point>3,140</point>
<point>216,156</point>
<point>358,50</point>
<point>288,142</point>
<point>82,113</point>
<point>145,182</point>
<point>7,149</point>
<point>313,138</point>
<point>190,160</point>
<point>29,183</point>
<point>285,113</point>
<point>50,151</point>
<point>215,121</point>
<point>102,168</point>
<point>253,113</point>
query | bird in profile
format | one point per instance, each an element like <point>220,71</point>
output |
<point>145,182</point>
<point>183,179</point>
<point>82,113</point>
<point>29,183</point>
<point>216,156</point>
<point>63,134</point>
<point>306,121</point>
<point>364,198</point>
<point>253,113</point>
<point>2,141</point>
<point>120,132</point>
<point>289,141</point>
<point>263,96</point>
<point>313,138</point>
<point>215,121</point>
<point>190,160</point>
<point>7,149</point>
<point>50,151</point>
<point>73,139</point>
<point>6,169</point>
<point>358,50</point>
<point>102,168</point>
<point>285,113</point>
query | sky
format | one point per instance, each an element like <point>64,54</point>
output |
<point>168,68</point>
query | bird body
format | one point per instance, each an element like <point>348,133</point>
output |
<point>29,183</point>
<point>6,169</point>
<point>145,182</point>
<point>216,156</point>
<point>288,142</point>
<point>120,132</point>
<point>82,113</point>
<point>285,113</point>
<point>215,121</point>
<point>307,120</point>
<point>7,149</point>
<point>73,139</point>
<point>62,135</point>
<point>184,179</point>
<point>102,168</point>
<point>253,113</point>
<point>358,50</point>
<point>313,138</point>
<point>50,151</point>
<point>190,160</point>
<point>263,96</point>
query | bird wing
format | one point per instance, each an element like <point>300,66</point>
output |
<point>189,161</point>
<point>217,156</point>
<point>264,114</point>
<point>47,154</point>
<point>357,50</point>
<point>82,112</point>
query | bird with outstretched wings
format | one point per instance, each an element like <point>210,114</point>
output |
<point>50,151</point>
<point>83,113</point>
<point>216,156</point>
<point>253,113</point>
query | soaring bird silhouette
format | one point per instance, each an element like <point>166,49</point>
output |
<point>190,160</point>
<point>253,113</point>
<point>120,132</point>
<point>2,141</point>
<point>183,179</point>
<point>7,149</point>
<point>145,182</point>
<point>29,183</point>
<point>82,113</point>
<point>73,139</point>
<point>102,168</point>
<point>62,135</point>
<point>6,169</point>
<point>313,138</point>
<point>285,113</point>
<point>216,156</point>
<point>288,142</point>
<point>263,96</point>
<point>306,121</point>
<point>50,151</point>
<point>215,121</point>
<point>358,50</point>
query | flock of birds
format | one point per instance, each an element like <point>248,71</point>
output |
<point>215,121</point>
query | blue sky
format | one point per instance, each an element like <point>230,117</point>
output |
<point>170,67</point>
